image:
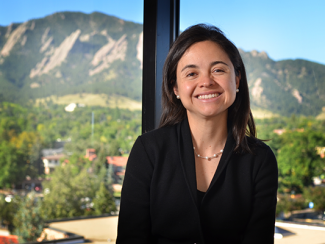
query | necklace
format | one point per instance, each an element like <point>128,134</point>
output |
<point>208,158</point>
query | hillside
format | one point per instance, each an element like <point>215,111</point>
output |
<point>285,87</point>
<point>69,53</point>
<point>75,53</point>
<point>90,99</point>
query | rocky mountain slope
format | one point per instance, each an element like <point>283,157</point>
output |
<point>285,87</point>
<point>74,53</point>
<point>68,53</point>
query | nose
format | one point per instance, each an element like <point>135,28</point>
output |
<point>206,80</point>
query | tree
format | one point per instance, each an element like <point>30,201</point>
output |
<point>104,201</point>
<point>315,195</point>
<point>8,210</point>
<point>287,204</point>
<point>28,221</point>
<point>71,189</point>
<point>12,165</point>
<point>29,145</point>
<point>62,197</point>
<point>298,159</point>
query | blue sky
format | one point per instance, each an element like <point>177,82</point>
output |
<point>285,29</point>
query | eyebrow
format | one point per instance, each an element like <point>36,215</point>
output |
<point>195,66</point>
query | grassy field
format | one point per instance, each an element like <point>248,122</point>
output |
<point>263,114</point>
<point>88,99</point>
<point>113,101</point>
<point>321,116</point>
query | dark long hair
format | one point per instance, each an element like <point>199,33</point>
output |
<point>240,117</point>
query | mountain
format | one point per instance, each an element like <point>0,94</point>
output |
<point>76,53</point>
<point>69,53</point>
<point>285,87</point>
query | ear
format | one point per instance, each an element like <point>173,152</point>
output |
<point>238,78</point>
<point>175,89</point>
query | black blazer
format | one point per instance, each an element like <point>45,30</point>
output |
<point>159,198</point>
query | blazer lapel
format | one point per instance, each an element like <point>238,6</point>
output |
<point>186,152</point>
<point>187,159</point>
<point>225,158</point>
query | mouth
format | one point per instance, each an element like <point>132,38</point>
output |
<point>208,96</point>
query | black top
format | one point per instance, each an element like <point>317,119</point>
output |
<point>200,195</point>
<point>159,196</point>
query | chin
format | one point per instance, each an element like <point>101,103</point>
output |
<point>216,114</point>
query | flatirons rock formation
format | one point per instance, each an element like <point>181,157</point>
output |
<point>74,53</point>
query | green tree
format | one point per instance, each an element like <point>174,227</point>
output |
<point>29,144</point>
<point>12,164</point>
<point>103,201</point>
<point>28,221</point>
<point>286,203</point>
<point>71,189</point>
<point>315,195</point>
<point>8,210</point>
<point>298,159</point>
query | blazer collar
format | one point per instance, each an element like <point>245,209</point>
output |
<point>186,152</point>
<point>225,157</point>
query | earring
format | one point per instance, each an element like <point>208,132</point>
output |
<point>177,96</point>
<point>237,90</point>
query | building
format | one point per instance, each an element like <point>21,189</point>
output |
<point>51,159</point>
<point>117,164</point>
<point>91,154</point>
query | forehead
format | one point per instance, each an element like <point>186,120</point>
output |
<point>205,51</point>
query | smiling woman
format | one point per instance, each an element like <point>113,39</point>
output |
<point>206,82</point>
<point>203,176</point>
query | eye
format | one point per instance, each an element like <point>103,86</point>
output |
<point>191,74</point>
<point>218,71</point>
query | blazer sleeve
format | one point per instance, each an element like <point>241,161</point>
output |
<point>260,228</point>
<point>134,224</point>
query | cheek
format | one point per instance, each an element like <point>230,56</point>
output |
<point>187,87</point>
<point>232,83</point>
<point>183,88</point>
<point>231,87</point>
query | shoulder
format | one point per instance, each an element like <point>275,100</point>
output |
<point>261,155</point>
<point>160,135</point>
<point>257,146</point>
<point>157,141</point>
<point>163,131</point>
<point>264,158</point>
<point>154,145</point>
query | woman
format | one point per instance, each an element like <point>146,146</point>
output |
<point>202,177</point>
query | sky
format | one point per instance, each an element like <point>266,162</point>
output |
<point>284,29</point>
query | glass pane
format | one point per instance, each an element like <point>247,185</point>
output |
<point>282,46</point>
<point>70,108</point>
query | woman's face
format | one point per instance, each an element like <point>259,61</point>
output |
<point>206,81</point>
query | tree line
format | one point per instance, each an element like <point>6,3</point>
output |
<point>80,187</point>
<point>24,132</point>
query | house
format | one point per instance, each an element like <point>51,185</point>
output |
<point>117,164</point>
<point>321,151</point>
<point>51,161</point>
<point>8,239</point>
<point>91,154</point>
<point>51,158</point>
<point>279,131</point>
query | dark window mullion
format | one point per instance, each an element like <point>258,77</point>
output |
<point>160,28</point>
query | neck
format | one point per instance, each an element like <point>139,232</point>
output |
<point>209,135</point>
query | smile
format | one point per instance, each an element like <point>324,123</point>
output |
<point>208,96</point>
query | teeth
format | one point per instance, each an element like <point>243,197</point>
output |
<point>208,96</point>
